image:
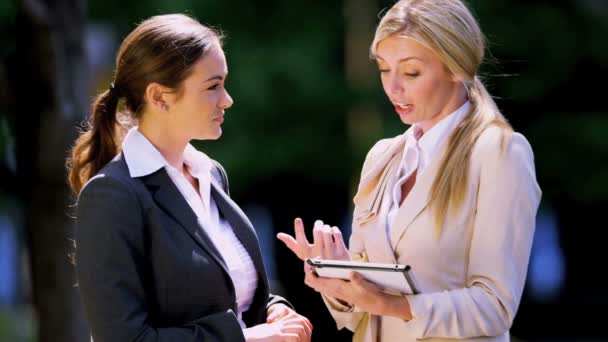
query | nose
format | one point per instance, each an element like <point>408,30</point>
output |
<point>226,101</point>
<point>395,88</point>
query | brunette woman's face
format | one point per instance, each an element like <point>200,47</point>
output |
<point>420,87</point>
<point>198,112</point>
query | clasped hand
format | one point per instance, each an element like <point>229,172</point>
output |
<point>282,325</point>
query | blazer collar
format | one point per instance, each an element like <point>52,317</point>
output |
<point>242,227</point>
<point>169,199</point>
<point>382,175</point>
<point>374,182</point>
<point>417,200</point>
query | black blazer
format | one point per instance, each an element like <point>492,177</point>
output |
<point>148,272</point>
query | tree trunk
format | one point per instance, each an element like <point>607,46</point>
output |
<point>52,70</point>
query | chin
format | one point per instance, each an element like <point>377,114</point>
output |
<point>209,135</point>
<point>215,135</point>
<point>408,121</point>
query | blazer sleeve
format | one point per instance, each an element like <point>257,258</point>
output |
<point>110,257</point>
<point>507,202</point>
<point>345,314</point>
<point>276,299</point>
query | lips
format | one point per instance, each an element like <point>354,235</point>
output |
<point>403,109</point>
<point>219,119</point>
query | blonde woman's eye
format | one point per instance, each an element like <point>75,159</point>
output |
<point>412,74</point>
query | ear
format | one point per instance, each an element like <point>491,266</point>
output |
<point>157,96</point>
<point>456,78</point>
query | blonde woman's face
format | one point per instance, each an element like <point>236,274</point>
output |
<point>199,112</point>
<point>422,90</point>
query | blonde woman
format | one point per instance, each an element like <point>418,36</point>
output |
<point>455,196</point>
<point>162,251</point>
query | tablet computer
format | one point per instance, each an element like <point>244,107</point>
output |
<point>388,276</point>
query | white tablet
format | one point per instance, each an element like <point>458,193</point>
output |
<point>388,276</point>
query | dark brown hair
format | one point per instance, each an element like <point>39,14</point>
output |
<point>161,49</point>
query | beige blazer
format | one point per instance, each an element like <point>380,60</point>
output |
<point>470,277</point>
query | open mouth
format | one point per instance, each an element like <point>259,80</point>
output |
<point>403,109</point>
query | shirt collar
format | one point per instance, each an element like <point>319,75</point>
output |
<point>430,141</point>
<point>143,158</point>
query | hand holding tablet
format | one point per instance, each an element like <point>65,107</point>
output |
<point>389,276</point>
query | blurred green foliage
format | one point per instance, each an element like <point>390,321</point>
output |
<point>292,97</point>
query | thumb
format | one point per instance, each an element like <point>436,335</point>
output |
<point>288,240</point>
<point>357,279</point>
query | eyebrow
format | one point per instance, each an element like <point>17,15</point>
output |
<point>216,77</point>
<point>405,59</point>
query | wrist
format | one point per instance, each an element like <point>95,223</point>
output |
<point>397,306</point>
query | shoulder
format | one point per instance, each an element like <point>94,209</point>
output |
<point>503,154</point>
<point>109,200</point>
<point>380,147</point>
<point>499,142</point>
<point>112,180</point>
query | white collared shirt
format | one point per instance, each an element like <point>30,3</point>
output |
<point>143,158</point>
<point>420,149</point>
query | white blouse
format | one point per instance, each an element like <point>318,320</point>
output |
<point>143,158</point>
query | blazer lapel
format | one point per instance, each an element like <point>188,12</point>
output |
<point>242,228</point>
<point>168,197</point>
<point>374,182</point>
<point>416,201</point>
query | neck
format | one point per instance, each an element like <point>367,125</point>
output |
<point>159,134</point>
<point>455,102</point>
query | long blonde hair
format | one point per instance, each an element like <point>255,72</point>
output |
<point>449,29</point>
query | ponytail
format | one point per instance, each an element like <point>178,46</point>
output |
<point>96,145</point>
<point>143,58</point>
<point>449,188</point>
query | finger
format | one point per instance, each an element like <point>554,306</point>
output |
<point>271,318</point>
<point>298,226</point>
<point>295,326</point>
<point>289,337</point>
<point>296,319</point>
<point>337,235</point>
<point>276,312</point>
<point>317,232</point>
<point>326,286</point>
<point>309,279</point>
<point>328,243</point>
<point>307,326</point>
<point>312,280</point>
<point>355,277</point>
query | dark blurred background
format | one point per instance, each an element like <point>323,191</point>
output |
<point>308,106</point>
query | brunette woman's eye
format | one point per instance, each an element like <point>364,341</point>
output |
<point>213,87</point>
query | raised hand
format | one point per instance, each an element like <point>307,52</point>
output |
<point>327,244</point>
